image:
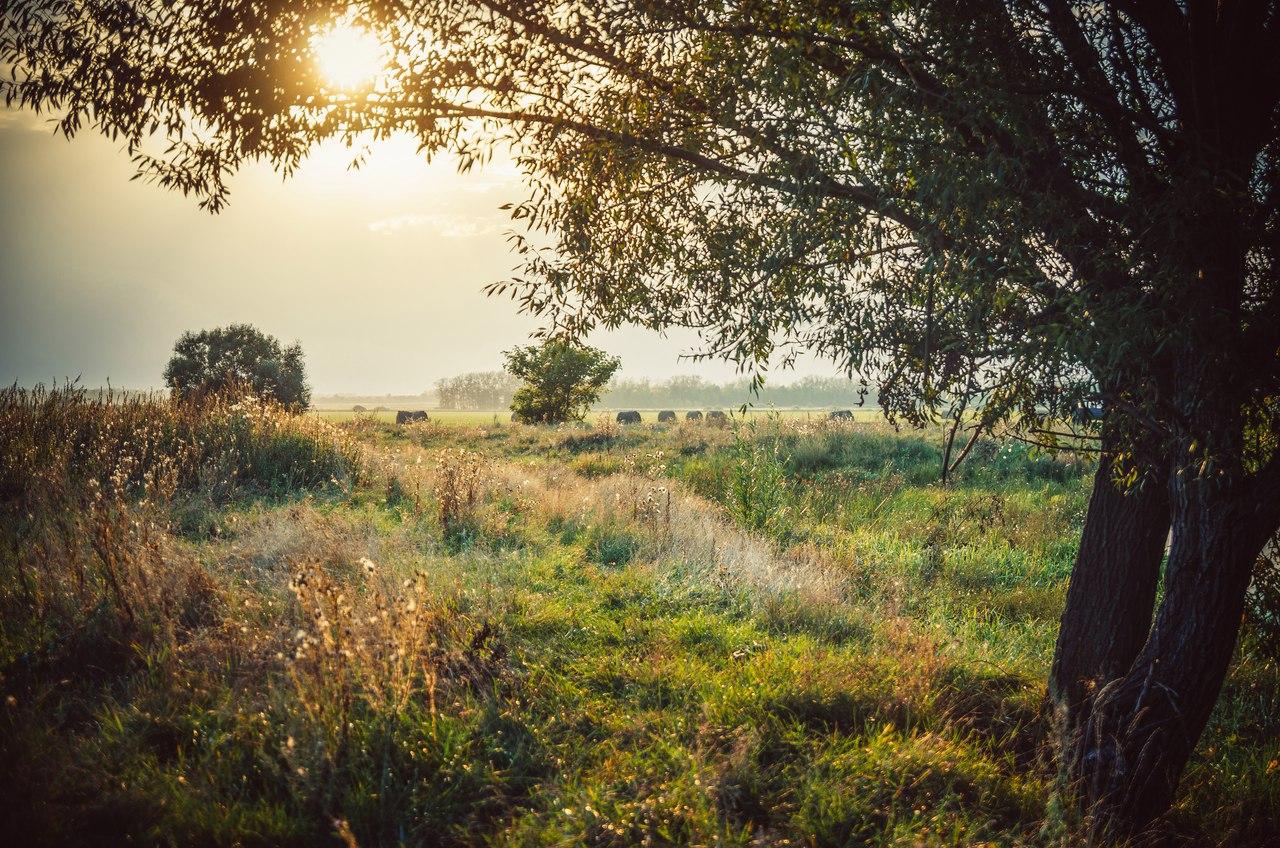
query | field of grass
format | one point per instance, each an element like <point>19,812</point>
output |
<point>229,626</point>
<point>455,417</point>
<point>491,417</point>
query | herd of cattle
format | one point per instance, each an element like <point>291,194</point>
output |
<point>715,418</point>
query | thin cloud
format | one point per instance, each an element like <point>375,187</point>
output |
<point>17,119</point>
<point>445,224</point>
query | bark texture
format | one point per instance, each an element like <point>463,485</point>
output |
<point>1111,596</point>
<point>1144,726</point>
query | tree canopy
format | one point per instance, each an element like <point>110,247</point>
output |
<point>953,201</point>
<point>561,380</point>
<point>236,358</point>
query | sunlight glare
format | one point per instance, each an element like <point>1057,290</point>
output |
<point>349,56</point>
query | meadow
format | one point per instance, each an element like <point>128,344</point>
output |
<point>225,625</point>
<point>482,417</point>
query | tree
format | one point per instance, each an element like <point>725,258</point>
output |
<point>1028,203</point>
<point>237,357</point>
<point>561,380</point>
<point>477,390</point>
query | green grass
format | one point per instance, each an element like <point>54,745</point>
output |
<point>453,417</point>
<point>481,417</point>
<point>507,635</point>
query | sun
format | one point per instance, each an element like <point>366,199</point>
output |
<point>348,56</point>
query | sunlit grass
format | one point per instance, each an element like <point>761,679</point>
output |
<point>479,417</point>
<point>600,635</point>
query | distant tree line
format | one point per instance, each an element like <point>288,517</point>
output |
<point>494,390</point>
<point>477,390</point>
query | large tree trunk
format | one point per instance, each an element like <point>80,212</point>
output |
<point>1112,593</point>
<point>1144,727</point>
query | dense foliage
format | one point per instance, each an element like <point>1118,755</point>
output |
<point>561,380</point>
<point>238,357</point>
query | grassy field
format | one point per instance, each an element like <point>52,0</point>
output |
<point>234,627</point>
<point>456,417</point>
<point>491,417</point>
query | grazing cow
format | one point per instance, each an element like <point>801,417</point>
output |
<point>841,415</point>
<point>628,416</point>
<point>358,408</point>
<point>716,418</point>
<point>666,416</point>
<point>406,416</point>
<point>693,415</point>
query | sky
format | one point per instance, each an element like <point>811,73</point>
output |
<point>378,272</point>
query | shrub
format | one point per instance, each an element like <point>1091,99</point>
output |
<point>759,492</point>
<point>241,359</point>
<point>460,476</point>
<point>561,380</point>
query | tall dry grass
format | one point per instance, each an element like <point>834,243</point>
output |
<point>93,483</point>
<point>325,673</point>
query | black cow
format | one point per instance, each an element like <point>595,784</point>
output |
<point>406,416</point>
<point>666,416</point>
<point>716,418</point>
<point>841,415</point>
<point>693,415</point>
<point>628,416</point>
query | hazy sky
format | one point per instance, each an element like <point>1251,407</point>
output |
<point>378,272</point>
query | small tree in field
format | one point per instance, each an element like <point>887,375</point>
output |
<point>561,380</point>
<point>240,355</point>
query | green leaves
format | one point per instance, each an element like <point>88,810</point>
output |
<point>238,357</point>
<point>949,205</point>
<point>561,380</point>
